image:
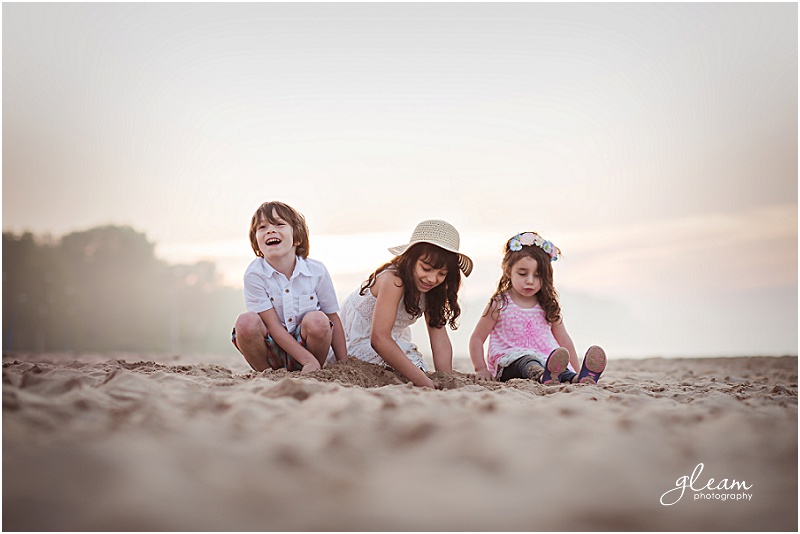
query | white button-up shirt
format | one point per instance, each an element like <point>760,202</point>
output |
<point>310,288</point>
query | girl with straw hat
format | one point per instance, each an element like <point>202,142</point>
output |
<point>422,279</point>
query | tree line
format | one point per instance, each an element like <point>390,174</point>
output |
<point>105,290</point>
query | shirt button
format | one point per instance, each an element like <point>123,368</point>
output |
<point>287,290</point>
<point>312,297</point>
<point>271,299</point>
<point>290,319</point>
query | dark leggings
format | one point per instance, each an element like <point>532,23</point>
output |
<point>529,367</point>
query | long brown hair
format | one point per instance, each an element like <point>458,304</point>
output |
<point>288,214</point>
<point>547,296</point>
<point>441,302</point>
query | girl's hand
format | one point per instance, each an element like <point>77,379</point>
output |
<point>310,367</point>
<point>427,383</point>
<point>484,374</point>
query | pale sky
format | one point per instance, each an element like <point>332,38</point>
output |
<point>655,144</point>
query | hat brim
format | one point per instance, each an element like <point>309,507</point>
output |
<point>464,261</point>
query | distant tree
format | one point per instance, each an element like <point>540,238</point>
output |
<point>104,289</point>
<point>28,276</point>
<point>116,289</point>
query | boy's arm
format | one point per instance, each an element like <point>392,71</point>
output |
<point>286,341</point>
<point>563,339</point>
<point>326,298</point>
<point>441,348</point>
<point>338,341</point>
<point>482,330</point>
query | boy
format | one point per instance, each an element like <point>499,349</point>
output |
<point>292,319</point>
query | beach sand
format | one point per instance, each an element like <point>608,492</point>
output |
<point>145,442</point>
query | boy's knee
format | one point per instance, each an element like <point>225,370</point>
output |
<point>316,324</point>
<point>249,324</point>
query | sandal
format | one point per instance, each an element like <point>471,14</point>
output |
<point>594,363</point>
<point>556,364</point>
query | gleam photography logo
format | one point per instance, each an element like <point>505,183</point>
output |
<point>724,490</point>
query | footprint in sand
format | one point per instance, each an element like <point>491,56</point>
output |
<point>289,387</point>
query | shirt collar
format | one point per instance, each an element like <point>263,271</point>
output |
<point>300,268</point>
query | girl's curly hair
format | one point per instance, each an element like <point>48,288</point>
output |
<point>547,296</point>
<point>441,301</point>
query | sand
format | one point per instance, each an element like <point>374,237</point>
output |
<point>145,442</point>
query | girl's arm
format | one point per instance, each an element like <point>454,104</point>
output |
<point>561,335</point>
<point>478,338</point>
<point>287,342</point>
<point>441,347</point>
<point>338,341</point>
<point>388,290</point>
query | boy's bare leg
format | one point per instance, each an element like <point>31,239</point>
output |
<point>316,331</point>
<point>251,335</point>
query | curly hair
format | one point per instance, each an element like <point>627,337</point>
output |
<point>441,301</point>
<point>547,296</point>
<point>288,214</point>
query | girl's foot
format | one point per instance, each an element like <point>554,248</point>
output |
<point>556,364</point>
<point>594,363</point>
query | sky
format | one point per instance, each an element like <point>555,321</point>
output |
<point>654,144</point>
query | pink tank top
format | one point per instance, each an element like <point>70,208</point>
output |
<point>520,329</point>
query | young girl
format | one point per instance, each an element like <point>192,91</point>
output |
<point>527,336</point>
<point>291,320</point>
<point>423,278</point>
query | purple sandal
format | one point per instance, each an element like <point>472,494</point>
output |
<point>594,363</point>
<point>556,364</point>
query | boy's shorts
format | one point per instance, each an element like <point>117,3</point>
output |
<point>277,358</point>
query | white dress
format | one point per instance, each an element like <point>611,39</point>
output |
<point>356,314</point>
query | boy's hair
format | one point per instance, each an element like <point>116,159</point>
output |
<point>441,302</point>
<point>547,296</point>
<point>288,214</point>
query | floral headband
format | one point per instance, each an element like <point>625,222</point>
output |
<point>532,238</point>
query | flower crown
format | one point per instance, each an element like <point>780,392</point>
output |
<point>532,238</point>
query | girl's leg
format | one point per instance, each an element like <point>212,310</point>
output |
<point>594,363</point>
<point>317,332</point>
<point>556,365</point>
<point>567,376</point>
<point>525,367</point>
<point>251,334</point>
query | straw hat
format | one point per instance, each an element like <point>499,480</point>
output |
<point>439,233</point>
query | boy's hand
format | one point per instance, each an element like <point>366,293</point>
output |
<point>310,367</point>
<point>484,374</point>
